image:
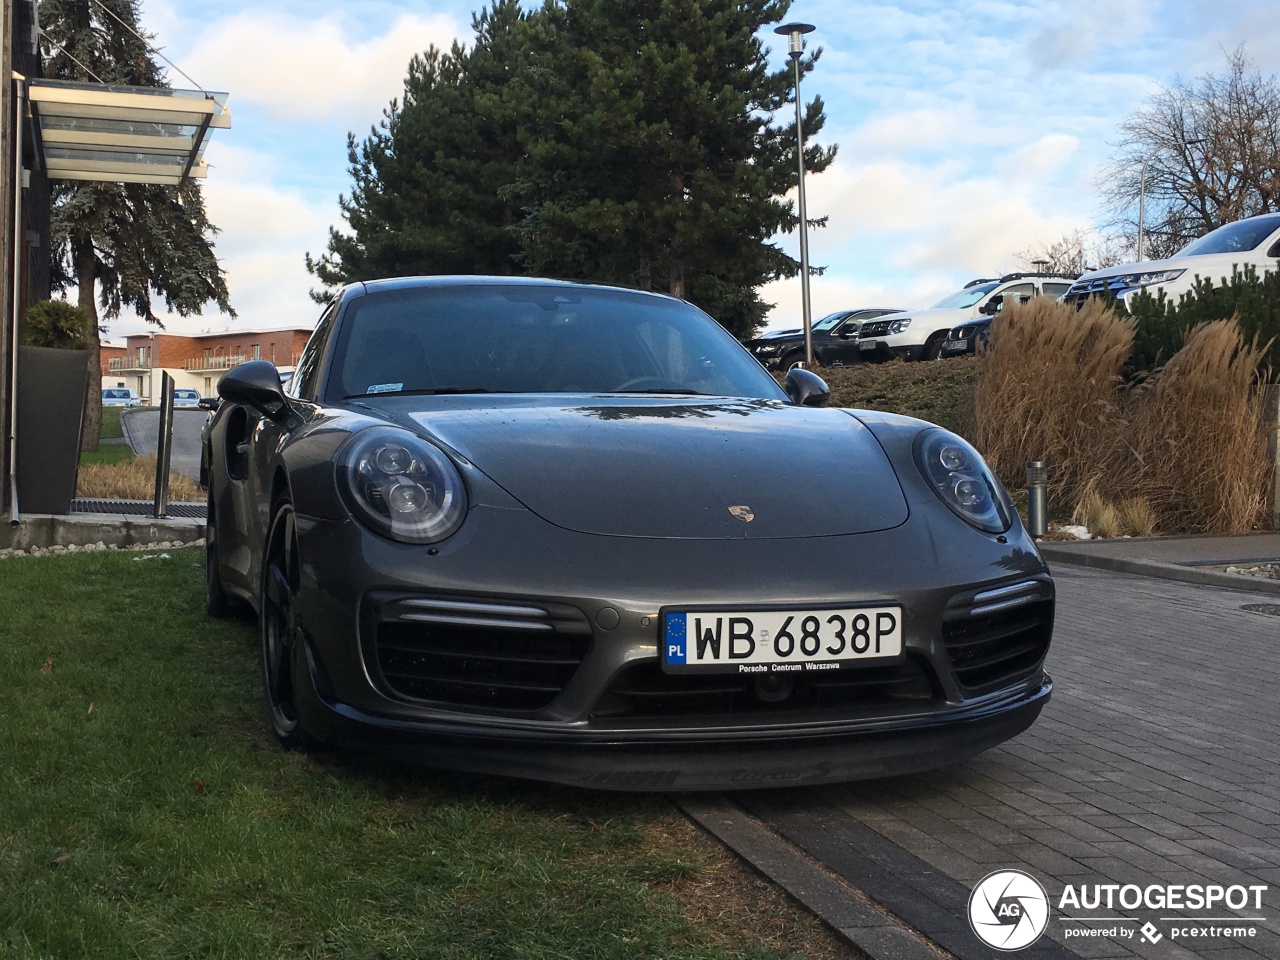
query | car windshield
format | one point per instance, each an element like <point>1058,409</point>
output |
<point>966,297</point>
<point>537,338</point>
<point>829,321</point>
<point>116,394</point>
<point>1234,237</point>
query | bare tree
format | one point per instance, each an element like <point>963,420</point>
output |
<point>1076,251</point>
<point>1211,149</point>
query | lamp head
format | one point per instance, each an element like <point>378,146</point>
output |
<point>796,32</point>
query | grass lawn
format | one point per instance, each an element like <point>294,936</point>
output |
<point>939,391</point>
<point>108,453</point>
<point>111,422</point>
<point>147,813</point>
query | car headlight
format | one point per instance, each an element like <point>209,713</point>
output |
<point>401,486</point>
<point>1147,279</point>
<point>766,349</point>
<point>897,326</point>
<point>963,481</point>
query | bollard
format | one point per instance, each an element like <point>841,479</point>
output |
<point>1037,496</point>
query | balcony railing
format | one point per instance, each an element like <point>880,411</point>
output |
<point>221,362</point>
<point>117,364</point>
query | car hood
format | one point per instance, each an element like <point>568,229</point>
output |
<point>672,468</point>
<point>933,315</point>
<point>1212,265</point>
<point>777,334</point>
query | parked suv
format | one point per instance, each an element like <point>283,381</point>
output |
<point>919,334</point>
<point>1254,241</point>
<point>835,340</point>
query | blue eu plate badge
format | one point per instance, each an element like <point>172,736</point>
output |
<point>675,635</point>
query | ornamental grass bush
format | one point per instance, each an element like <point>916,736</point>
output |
<point>1181,450</point>
<point>1049,388</point>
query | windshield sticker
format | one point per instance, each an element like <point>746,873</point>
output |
<point>385,388</point>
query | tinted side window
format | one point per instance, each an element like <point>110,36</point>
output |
<point>1055,290</point>
<point>305,378</point>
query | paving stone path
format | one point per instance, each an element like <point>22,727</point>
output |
<point>1157,762</point>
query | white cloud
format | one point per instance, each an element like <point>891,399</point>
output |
<point>310,69</point>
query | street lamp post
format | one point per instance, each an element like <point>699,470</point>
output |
<point>796,32</point>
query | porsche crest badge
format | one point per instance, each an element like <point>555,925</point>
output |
<point>743,513</point>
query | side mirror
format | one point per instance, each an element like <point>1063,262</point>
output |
<point>992,306</point>
<point>209,403</point>
<point>847,331</point>
<point>256,384</point>
<point>806,388</point>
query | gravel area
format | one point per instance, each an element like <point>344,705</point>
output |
<point>59,550</point>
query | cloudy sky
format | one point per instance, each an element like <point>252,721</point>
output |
<point>968,130</point>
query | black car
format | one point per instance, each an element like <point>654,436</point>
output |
<point>835,340</point>
<point>967,338</point>
<point>576,533</point>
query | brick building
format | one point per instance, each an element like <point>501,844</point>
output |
<point>196,361</point>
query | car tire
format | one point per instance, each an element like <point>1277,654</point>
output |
<point>932,348</point>
<point>793,361</point>
<point>216,601</point>
<point>279,631</point>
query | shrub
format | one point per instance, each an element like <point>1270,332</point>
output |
<point>56,323</point>
<point>1253,300</point>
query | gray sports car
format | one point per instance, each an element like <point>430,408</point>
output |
<point>577,533</point>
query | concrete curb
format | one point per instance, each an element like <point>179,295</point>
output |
<point>1163,570</point>
<point>43,530</point>
<point>853,917</point>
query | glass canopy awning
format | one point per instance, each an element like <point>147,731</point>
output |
<point>92,131</point>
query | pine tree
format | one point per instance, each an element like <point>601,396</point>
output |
<point>623,141</point>
<point>126,242</point>
<point>431,182</point>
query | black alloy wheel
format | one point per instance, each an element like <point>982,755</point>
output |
<point>793,361</point>
<point>278,626</point>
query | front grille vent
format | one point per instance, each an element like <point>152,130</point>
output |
<point>644,692</point>
<point>874,328</point>
<point>999,636</point>
<point>509,656</point>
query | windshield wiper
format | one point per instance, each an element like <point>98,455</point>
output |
<point>421,392</point>
<point>667,391</point>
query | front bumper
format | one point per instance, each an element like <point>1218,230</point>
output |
<point>687,760</point>
<point>592,724</point>
<point>879,351</point>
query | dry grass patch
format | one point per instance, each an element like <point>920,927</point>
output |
<point>939,391</point>
<point>734,905</point>
<point>132,480</point>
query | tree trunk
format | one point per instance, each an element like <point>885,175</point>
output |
<point>91,426</point>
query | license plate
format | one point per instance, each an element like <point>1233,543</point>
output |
<point>954,346</point>
<point>779,641</point>
<point>868,344</point>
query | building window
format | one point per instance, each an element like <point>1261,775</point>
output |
<point>208,387</point>
<point>257,351</point>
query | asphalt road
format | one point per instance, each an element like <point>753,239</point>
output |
<point>141,427</point>
<point>1156,763</point>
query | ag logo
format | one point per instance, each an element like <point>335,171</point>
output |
<point>1008,910</point>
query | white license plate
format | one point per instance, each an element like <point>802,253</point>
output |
<point>868,344</point>
<point>954,346</point>
<point>778,641</point>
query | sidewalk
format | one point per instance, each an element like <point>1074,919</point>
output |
<point>1188,559</point>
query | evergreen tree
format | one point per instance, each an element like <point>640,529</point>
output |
<point>431,183</point>
<point>127,242</point>
<point>624,141</point>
